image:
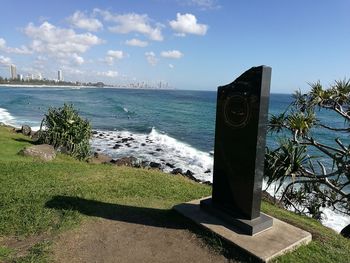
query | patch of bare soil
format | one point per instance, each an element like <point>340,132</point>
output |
<point>105,240</point>
<point>22,245</point>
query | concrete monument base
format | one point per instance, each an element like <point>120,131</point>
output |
<point>266,245</point>
<point>250,227</point>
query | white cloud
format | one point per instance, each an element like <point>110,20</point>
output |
<point>82,21</point>
<point>171,66</point>
<point>109,74</point>
<point>5,61</point>
<point>187,24</point>
<point>63,44</point>
<point>118,54</point>
<point>136,43</point>
<point>77,59</point>
<point>2,43</point>
<point>132,22</point>
<point>151,58</point>
<point>113,55</point>
<point>22,50</point>
<point>171,54</point>
<point>51,39</point>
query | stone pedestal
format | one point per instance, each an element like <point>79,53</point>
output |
<point>264,246</point>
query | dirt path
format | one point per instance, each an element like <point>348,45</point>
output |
<point>105,240</point>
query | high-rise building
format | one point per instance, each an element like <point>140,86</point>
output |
<point>13,72</point>
<point>60,76</point>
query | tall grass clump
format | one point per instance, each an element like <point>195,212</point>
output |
<point>66,131</point>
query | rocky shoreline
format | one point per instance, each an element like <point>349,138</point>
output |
<point>129,141</point>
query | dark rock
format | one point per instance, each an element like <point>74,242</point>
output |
<point>170,165</point>
<point>124,140</point>
<point>207,171</point>
<point>44,151</point>
<point>126,161</point>
<point>98,150</point>
<point>190,174</point>
<point>34,135</point>
<point>94,132</point>
<point>128,144</point>
<point>143,144</point>
<point>131,139</point>
<point>144,164</point>
<point>116,146</point>
<point>119,136</point>
<point>25,130</point>
<point>155,165</point>
<point>176,171</point>
<point>100,158</point>
<point>346,231</point>
<point>159,149</point>
<point>101,134</point>
<point>207,183</point>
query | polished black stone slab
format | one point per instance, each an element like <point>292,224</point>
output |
<point>240,136</point>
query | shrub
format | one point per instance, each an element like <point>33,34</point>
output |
<point>65,130</point>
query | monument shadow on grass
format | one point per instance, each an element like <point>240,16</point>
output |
<point>164,218</point>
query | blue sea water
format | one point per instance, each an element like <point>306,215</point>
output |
<point>187,116</point>
<point>173,127</point>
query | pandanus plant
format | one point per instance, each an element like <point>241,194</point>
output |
<point>66,131</point>
<point>310,173</point>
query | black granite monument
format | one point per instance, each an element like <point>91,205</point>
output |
<point>241,119</point>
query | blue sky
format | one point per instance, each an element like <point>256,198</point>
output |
<point>191,44</point>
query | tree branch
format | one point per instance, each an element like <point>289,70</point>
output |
<point>334,129</point>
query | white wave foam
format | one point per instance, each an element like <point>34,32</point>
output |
<point>36,128</point>
<point>126,110</point>
<point>334,220</point>
<point>330,218</point>
<point>156,147</point>
<point>7,118</point>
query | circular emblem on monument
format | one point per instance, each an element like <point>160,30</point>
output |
<point>237,111</point>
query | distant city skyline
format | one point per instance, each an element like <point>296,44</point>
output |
<point>190,44</point>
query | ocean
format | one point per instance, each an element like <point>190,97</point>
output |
<point>173,127</point>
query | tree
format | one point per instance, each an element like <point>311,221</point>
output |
<point>308,171</point>
<point>64,129</point>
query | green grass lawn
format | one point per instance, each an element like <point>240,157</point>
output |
<point>38,198</point>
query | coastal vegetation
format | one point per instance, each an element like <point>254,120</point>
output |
<point>39,200</point>
<point>66,131</point>
<point>312,173</point>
